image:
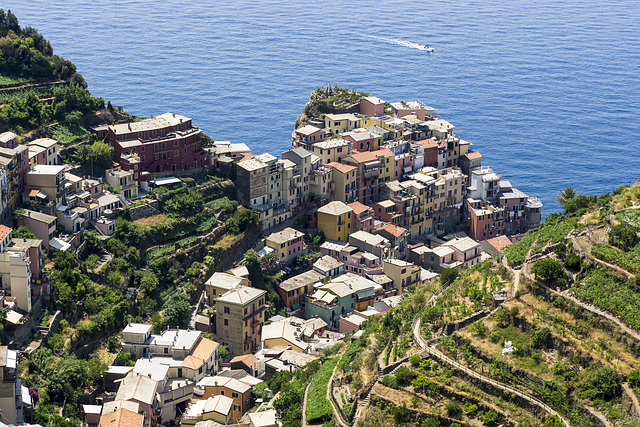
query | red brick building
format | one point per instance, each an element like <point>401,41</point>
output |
<point>167,142</point>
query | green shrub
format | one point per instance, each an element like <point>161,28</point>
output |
<point>489,417</point>
<point>634,378</point>
<point>389,381</point>
<point>454,409</point>
<point>470,408</point>
<point>415,360</point>
<point>572,261</point>
<point>601,382</point>
<point>403,375</point>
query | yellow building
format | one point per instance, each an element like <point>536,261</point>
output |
<point>334,220</point>
<point>344,179</point>
<point>404,274</point>
<point>340,123</point>
<point>122,182</point>
<point>216,408</point>
<point>239,319</point>
<point>331,150</point>
<point>236,389</point>
<point>286,244</point>
<point>387,165</point>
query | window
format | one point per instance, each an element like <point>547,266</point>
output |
<point>222,392</point>
<point>235,395</point>
<point>226,310</point>
<point>226,322</point>
<point>236,407</point>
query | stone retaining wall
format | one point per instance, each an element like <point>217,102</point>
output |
<point>144,211</point>
<point>452,327</point>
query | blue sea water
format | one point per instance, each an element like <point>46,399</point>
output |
<point>548,91</point>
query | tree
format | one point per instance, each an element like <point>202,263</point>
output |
<point>572,261</point>
<point>602,382</point>
<point>176,311</point>
<point>548,269</point>
<point>123,359</point>
<point>23,232</point>
<point>541,338</point>
<point>102,154</point>
<point>403,374</point>
<point>93,242</point>
<point>566,196</point>
<point>74,118</point>
<point>389,381</point>
<point>131,234</point>
<point>148,282</point>
<point>448,275</point>
<point>184,204</point>
<point>94,368</point>
<point>252,262</point>
<point>415,360</point>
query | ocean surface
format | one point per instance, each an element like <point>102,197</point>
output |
<point>548,91</point>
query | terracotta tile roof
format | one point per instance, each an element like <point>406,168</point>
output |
<point>121,417</point>
<point>428,143</point>
<point>365,156</point>
<point>248,359</point>
<point>342,167</point>
<point>394,230</point>
<point>474,155</point>
<point>201,353</point>
<point>383,152</point>
<point>500,242</point>
<point>358,207</point>
<point>4,231</point>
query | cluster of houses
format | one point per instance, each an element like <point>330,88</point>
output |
<point>363,170</point>
<point>397,194</point>
<point>177,376</point>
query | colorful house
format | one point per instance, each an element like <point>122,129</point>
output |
<point>334,220</point>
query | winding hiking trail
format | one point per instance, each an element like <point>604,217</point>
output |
<point>424,345</point>
<point>593,309</point>
<point>304,406</point>
<point>633,397</point>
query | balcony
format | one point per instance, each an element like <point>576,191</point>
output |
<point>371,173</point>
<point>255,312</point>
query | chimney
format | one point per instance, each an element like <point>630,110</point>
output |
<point>149,374</point>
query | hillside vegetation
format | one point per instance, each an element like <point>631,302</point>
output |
<point>572,321</point>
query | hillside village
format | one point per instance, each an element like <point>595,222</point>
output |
<point>392,210</point>
<point>375,273</point>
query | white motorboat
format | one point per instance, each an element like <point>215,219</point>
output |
<point>427,48</point>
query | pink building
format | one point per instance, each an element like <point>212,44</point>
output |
<point>404,164</point>
<point>42,225</point>
<point>362,217</point>
<point>354,260</point>
<point>167,142</point>
<point>287,244</point>
<point>485,220</point>
<point>371,106</point>
<point>307,135</point>
<point>385,211</point>
<point>351,323</point>
<point>513,201</point>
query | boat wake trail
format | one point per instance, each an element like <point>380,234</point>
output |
<point>403,43</point>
